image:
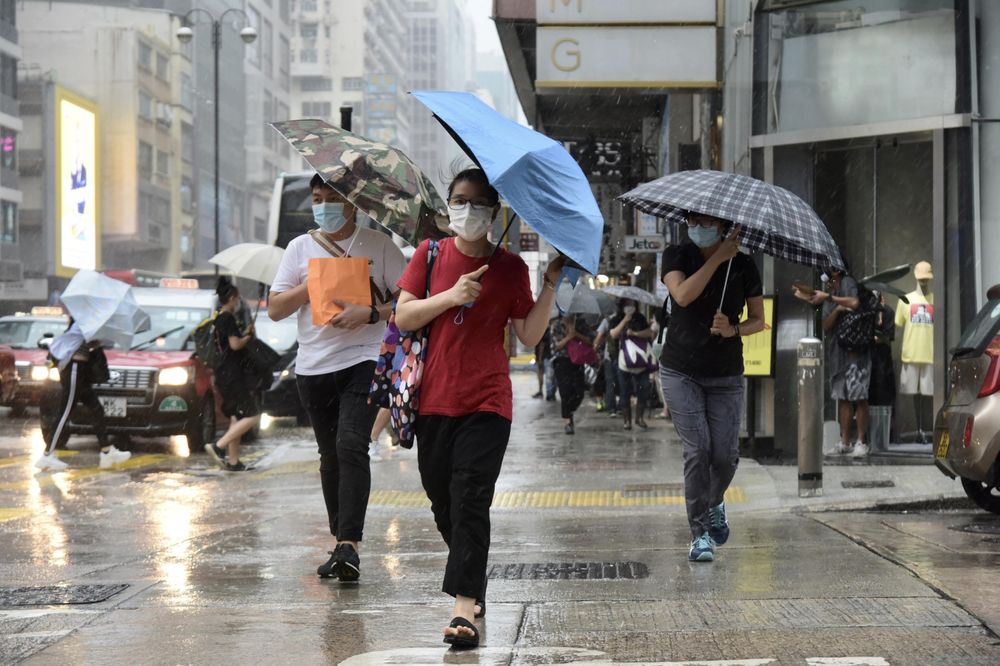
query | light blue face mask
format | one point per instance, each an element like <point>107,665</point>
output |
<point>329,216</point>
<point>704,236</point>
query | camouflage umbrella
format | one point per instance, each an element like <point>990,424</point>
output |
<point>377,178</point>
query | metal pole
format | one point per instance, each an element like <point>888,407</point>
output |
<point>810,383</point>
<point>216,47</point>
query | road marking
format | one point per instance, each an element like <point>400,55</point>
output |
<point>574,656</point>
<point>19,460</point>
<point>45,479</point>
<point>554,499</point>
<point>846,661</point>
<point>13,514</point>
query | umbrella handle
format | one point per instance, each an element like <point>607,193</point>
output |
<point>725,284</point>
<point>500,240</point>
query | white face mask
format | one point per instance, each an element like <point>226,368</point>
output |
<point>629,309</point>
<point>469,223</point>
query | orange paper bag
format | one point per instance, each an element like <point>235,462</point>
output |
<point>343,279</point>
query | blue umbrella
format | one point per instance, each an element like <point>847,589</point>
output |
<point>537,177</point>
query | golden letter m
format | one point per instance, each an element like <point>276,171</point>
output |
<point>566,3</point>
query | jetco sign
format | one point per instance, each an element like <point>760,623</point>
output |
<point>640,244</point>
<point>626,43</point>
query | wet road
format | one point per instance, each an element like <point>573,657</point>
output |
<point>185,564</point>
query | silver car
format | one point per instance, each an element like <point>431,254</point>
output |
<point>967,429</point>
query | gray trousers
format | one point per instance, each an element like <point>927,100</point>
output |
<point>707,412</point>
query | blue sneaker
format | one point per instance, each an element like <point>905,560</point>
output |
<point>718,526</point>
<point>702,549</point>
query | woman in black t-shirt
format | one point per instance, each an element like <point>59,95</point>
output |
<point>701,367</point>
<point>231,380</point>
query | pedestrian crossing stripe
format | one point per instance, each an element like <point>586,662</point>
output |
<point>554,499</point>
<point>13,514</point>
<point>44,479</point>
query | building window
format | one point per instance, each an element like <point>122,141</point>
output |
<point>145,56</point>
<point>308,31</point>
<point>352,83</point>
<point>253,51</point>
<point>284,61</point>
<point>316,109</point>
<point>8,148</point>
<point>162,66</point>
<point>310,6</point>
<point>282,112</point>
<point>259,228</point>
<point>8,222</point>
<point>187,143</point>
<point>187,92</point>
<point>308,56</point>
<point>316,83</point>
<point>145,160</point>
<point>268,114</point>
<point>8,77</point>
<point>145,105</point>
<point>283,10</point>
<point>187,194</point>
<point>162,163</point>
<point>267,49</point>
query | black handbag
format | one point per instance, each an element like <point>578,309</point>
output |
<point>259,362</point>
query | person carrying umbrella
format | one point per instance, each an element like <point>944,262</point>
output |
<point>466,399</point>
<point>630,323</point>
<point>238,402</point>
<point>702,366</point>
<point>81,364</point>
<point>569,375</point>
<point>336,362</point>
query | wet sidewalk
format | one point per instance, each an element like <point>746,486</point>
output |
<point>183,564</point>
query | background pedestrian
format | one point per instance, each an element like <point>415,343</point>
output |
<point>569,375</point>
<point>607,348</point>
<point>710,283</point>
<point>630,324</point>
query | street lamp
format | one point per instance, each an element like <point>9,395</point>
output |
<point>184,35</point>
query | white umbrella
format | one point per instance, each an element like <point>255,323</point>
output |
<point>633,293</point>
<point>252,261</point>
<point>581,299</point>
<point>104,308</point>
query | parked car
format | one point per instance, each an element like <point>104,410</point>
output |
<point>159,387</point>
<point>967,428</point>
<point>282,398</point>
<point>22,334</point>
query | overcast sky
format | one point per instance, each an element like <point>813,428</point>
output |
<point>486,33</point>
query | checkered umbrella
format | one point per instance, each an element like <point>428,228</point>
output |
<point>773,220</point>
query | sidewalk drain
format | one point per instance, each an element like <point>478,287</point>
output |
<point>52,595</point>
<point>653,490</point>
<point>569,571</point>
<point>874,483</point>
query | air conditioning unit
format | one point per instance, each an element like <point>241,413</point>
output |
<point>164,114</point>
<point>11,270</point>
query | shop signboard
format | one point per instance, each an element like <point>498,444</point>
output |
<point>644,244</point>
<point>77,237</point>
<point>380,107</point>
<point>758,349</point>
<point>631,12</point>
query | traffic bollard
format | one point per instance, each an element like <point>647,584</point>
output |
<point>810,379</point>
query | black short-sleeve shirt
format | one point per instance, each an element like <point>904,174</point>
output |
<point>690,347</point>
<point>230,360</point>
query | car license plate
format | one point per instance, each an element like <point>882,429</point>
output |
<point>114,408</point>
<point>942,449</point>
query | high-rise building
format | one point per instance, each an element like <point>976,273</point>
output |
<point>268,98</point>
<point>110,150</point>
<point>12,284</point>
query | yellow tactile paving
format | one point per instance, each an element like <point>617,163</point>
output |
<point>20,460</point>
<point>551,499</point>
<point>44,479</point>
<point>13,513</point>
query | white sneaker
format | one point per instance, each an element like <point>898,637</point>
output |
<point>113,457</point>
<point>50,463</point>
<point>841,449</point>
<point>373,454</point>
<point>860,450</point>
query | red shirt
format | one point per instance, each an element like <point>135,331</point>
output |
<point>467,370</point>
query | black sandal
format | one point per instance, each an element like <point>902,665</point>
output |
<point>461,641</point>
<point>482,608</point>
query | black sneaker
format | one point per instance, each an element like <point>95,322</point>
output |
<point>217,453</point>
<point>348,564</point>
<point>326,570</point>
<point>238,466</point>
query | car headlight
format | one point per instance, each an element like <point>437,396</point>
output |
<point>39,373</point>
<point>285,373</point>
<point>176,376</point>
<point>53,374</point>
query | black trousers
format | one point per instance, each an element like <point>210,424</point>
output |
<point>77,389</point>
<point>459,460</point>
<point>342,419</point>
<point>572,384</point>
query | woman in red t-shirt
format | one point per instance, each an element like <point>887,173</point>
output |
<point>466,401</point>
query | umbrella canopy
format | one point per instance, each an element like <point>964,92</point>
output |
<point>581,299</point>
<point>773,220</point>
<point>380,180</point>
<point>251,261</point>
<point>537,177</point>
<point>634,293</point>
<point>104,308</point>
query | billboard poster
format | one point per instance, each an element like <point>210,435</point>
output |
<point>77,215</point>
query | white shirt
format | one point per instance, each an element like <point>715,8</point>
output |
<point>325,349</point>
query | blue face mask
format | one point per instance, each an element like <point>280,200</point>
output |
<point>329,216</point>
<point>704,236</point>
